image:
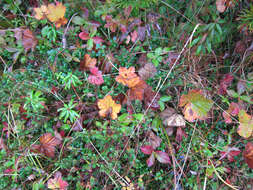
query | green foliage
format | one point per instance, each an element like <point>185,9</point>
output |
<point>34,102</point>
<point>67,112</point>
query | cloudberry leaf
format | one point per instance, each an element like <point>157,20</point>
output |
<point>248,154</point>
<point>128,77</point>
<point>57,182</point>
<point>245,128</point>
<point>56,14</point>
<point>47,145</point>
<point>108,106</point>
<point>196,106</point>
<point>137,92</point>
<point>87,63</point>
<point>41,12</point>
<point>96,76</point>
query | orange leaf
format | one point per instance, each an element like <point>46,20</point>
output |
<point>128,77</point>
<point>29,41</point>
<point>245,128</point>
<point>248,154</point>
<point>137,92</point>
<point>88,63</point>
<point>47,146</point>
<point>41,12</point>
<point>196,106</point>
<point>108,106</point>
<point>56,14</point>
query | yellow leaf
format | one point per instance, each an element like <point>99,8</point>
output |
<point>56,14</point>
<point>41,12</point>
<point>245,128</point>
<point>108,106</point>
<point>128,77</point>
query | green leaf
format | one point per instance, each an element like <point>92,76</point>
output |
<point>90,44</point>
<point>78,20</point>
<point>165,98</point>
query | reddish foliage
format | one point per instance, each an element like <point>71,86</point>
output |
<point>231,153</point>
<point>248,154</point>
<point>96,76</point>
<point>225,83</point>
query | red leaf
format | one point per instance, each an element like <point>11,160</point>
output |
<point>230,153</point>
<point>96,77</point>
<point>97,40</point>
<point>151,160</point>
<point>84,36</point>
<point>225,82</point>
<point>147,149</point>
<point>162,157</point>
<point>180,134</point>
<point>248,154</point>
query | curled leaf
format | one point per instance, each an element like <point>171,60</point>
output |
<point>108,106</point>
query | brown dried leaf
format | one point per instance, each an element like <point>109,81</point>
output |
<point>148,71</point>
<point>29,40</point>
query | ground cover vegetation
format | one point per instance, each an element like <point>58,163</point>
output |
<point>115,94</point>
